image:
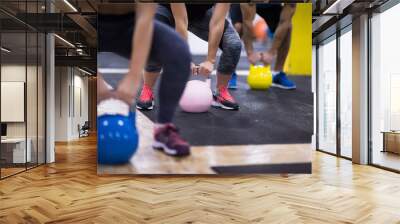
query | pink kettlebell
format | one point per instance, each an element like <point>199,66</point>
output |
<point>197,96</point>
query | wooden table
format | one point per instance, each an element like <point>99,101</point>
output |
<point>16,151</point>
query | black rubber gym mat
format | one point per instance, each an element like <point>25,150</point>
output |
<point>304,168</point>
<point>275,116</point>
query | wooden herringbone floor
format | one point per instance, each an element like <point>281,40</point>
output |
<point>69,191</point>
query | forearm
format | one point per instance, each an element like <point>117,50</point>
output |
<point>248,37</point>
<point>214,38</point>
<point>216,29</point>
<point>248,14</point>
<point>181,19</point>
<point>181,28</point>
<point>141,44</point>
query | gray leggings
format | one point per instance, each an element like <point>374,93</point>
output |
<point>230,43</point>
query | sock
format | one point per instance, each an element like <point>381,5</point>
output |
<point>274,73</point>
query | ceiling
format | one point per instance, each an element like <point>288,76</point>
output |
<point>331,15</point>
<point>74,21</point>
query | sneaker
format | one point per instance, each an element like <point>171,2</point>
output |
<point>224,100</point>
<point>280,80</point>
<point>233,82</point>
<point>146,99</point>
<point>168,140</point>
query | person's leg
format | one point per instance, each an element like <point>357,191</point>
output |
<point>150,76</point>
<point>281,45</point>
<point>153,69</point>
<point>235,14</point>
<point>238,28</point>
<point>237,20</point>
<point>233,80</point>
<point>172,52</point>
<point>283,53</point>
<point>278,19</point>
<point>152,72</point>
<point>280,78</point>
<point>231,47</point>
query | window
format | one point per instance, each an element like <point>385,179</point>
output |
<point>385,89</point>
<point>22,77</point>
<point>327,96</point>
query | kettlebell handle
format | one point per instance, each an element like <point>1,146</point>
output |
<point>208,78</point>
<point>197,67</point>
<point>259,64</point>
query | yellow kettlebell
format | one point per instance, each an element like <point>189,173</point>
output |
<point>260,77</point>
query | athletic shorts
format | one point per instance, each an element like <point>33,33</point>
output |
<point>115,34</point>
<point>230,43</point>
<point>271,13</point>
<point>235,13</point>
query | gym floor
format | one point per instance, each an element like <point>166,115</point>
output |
<point>204,158</point>
<point>271,133</point>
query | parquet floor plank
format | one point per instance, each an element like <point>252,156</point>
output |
<point>70,191</point>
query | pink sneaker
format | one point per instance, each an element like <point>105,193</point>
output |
<point>223,99</point>
<point>146,99</point>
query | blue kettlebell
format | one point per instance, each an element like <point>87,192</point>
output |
<point>117,138</point>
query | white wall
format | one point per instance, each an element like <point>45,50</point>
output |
<point>33,126</point>
<point>14,73</point>
<point>71,93</point>
<point>62,81</point>
<point>80,100</point>
<point>11,73</point>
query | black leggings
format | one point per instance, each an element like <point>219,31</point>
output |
<point>167,48</point>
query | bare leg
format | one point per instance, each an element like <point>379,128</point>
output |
<point>223,80</point>
<point>238,28</point>
<point>150,78</point>
<point>283,53</point>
